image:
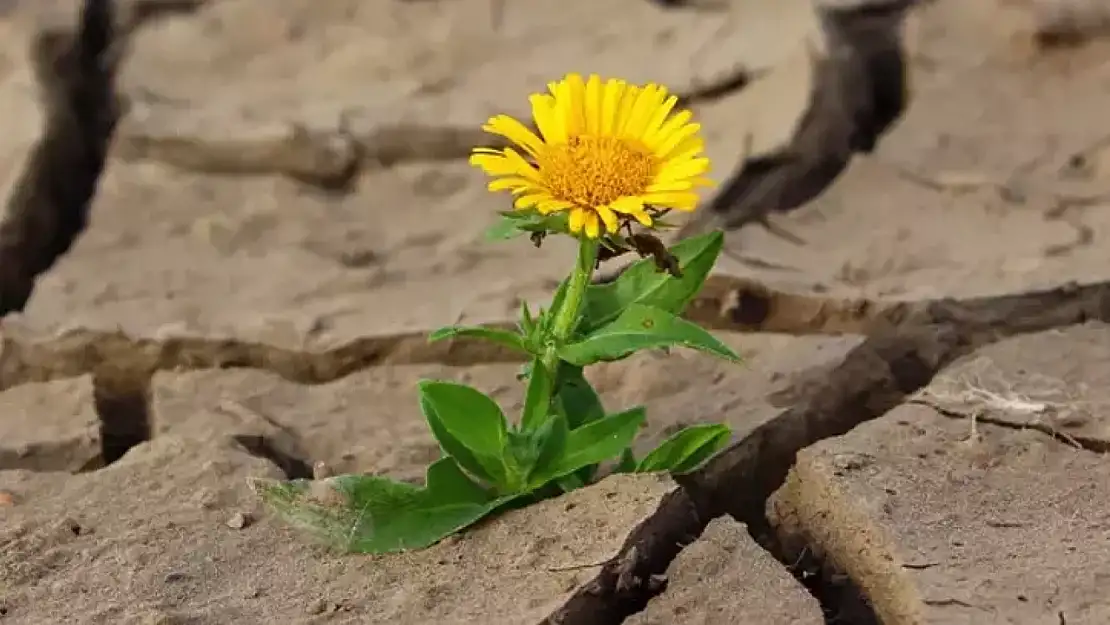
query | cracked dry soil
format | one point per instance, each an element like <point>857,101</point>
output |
<point>221,317</point>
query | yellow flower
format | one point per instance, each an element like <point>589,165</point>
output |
<point>606,151</point>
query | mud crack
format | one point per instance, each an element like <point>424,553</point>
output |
<point>75,70</point>
<point>292,464</point>
<point>123,407</point>
<point>876,376</point>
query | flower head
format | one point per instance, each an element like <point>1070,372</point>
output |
<point>606,152</point>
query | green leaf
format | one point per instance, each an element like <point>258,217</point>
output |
<point>550,441</point>
<point>537,397</point>
<point>527,322</point>
<point>515,223</point>
<point>594,443</point>
<point>469,426</point>
<point>519,456</point>
<point>547,317</point>
<point>643,283</point>
<point>372,514</point>
<point>577,400</point>
<point>685,450</point>
<point>507,338</point>
<point>503,229</point>
<point>642,327</point>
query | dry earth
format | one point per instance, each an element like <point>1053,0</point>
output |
<point>221,317</point>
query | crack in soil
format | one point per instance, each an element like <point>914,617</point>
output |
<point>726,304</point>
<point>123,407</point>
<point>876,376</point>
<point>291,463</point>
<point>908,344</point>
<point>1085,443</point>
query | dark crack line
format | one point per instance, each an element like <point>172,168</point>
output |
<point>123,407</point>
<point>292,463</point>
<point>75,69</point>
<point>48,209</point>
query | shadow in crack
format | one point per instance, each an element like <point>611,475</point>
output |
<point>291,464</point>
<point>124,412</point>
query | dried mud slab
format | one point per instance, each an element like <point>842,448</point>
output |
<point>51,426</point>
<point>937,522</point>
<point>370,421</point>
<point>118,546</point>
<point>725,578</point>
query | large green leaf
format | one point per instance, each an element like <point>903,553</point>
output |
<point>577,400</point>
<point>372,514</point>
<point>537,397</point>
<point>593,443</point>
<point>550,442</point>
<point>643,283</point>
<point>642,327</point>
<point>685,450</point>
<point>470,428</point>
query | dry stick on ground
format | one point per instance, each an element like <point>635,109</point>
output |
<point>874,377</point>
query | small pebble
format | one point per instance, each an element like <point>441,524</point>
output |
<point>239,521</point>
<point>318,606</point>
<point>6,498</point>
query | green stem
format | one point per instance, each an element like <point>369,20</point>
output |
<point>566,317</point>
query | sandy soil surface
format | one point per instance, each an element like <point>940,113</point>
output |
<point>137,510</point>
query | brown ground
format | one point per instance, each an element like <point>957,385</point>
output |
<point>202,232</point>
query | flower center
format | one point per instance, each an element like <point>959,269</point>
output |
<point>594,171</point>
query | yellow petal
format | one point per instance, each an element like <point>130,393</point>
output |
<point>574,91</point>
<point>525,202</point>
<point>642,111</point>
<point>553,206</point>
<point>550,126</point>
<point>666,147</point>
<point>633,206</point>
<point>592,104</point>
<point>676,200</point>
<point>593,226</point>
<point>511,183</point>
<point>660,116</point>
<point>514,131</point>
<point>609,218</point>
<point>494,164</point>
<point>690,147</point>
<point>628,205</point>
<point>610,99</point>
<point>686,170</point>
<point>576,221</point>
<point>624,109</point>
<point>521,167</point>
<point>670,185</point>
<point>668,128</point>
